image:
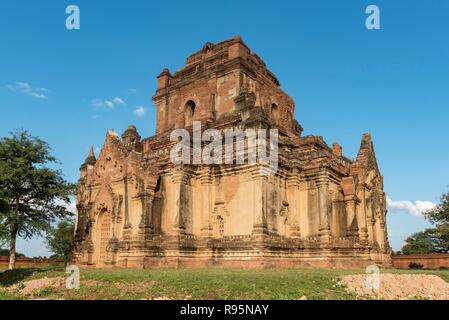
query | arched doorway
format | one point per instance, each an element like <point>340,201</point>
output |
<point>104,234</point>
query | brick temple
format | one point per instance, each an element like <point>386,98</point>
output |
<point>136,208</point>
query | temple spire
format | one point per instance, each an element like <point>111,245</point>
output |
<point>91,157</point>
<point>91,152</point>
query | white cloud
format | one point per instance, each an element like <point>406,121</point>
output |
<point>416,208</point>
<point>109,104</point>
<point>71,206</point>
<point>118,100</point>
<point>27,89</point>
<point>140,111</point>
<point>98,103</point>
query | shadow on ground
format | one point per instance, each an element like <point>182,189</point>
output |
<point>11,277</point>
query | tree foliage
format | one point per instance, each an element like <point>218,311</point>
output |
<point>33,195</point>
<point>5,253</point>
<point>440,214</point>
<point>433,240</point>
<point>419,243</point>
<point>440,238</point>
<point>60,239</point>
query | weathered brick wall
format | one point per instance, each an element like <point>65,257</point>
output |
<point>211,81</point>
<point>429,261</point>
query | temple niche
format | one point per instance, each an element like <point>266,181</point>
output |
<point>136,208</point>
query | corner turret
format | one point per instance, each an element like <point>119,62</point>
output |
<point>131,140</point>
<point>88,164</point>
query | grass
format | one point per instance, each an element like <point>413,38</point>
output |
<point>6,296</point>
<point>210,283</point>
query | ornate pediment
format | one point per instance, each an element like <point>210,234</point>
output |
<point>112,160</point>
<point>366,155</point>
<point>104,200</point>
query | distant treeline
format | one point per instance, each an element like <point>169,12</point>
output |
<point>5,253</point>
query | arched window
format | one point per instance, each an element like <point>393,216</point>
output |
<point>189,111</point>
<point>275,112</point>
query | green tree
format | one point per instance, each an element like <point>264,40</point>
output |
<point>440,238</point>
<point>440,214</point>
<point>60,239</point>
<point>5,253</point>
<point>33,195</point>
<point>434,239</point>
<point>417,243</point>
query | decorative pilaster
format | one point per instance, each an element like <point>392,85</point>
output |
<point>371,222</point>
<point>116,215</point>
<point>146,219</point>
<point>127,226</point>
<point>206,185</point>
<point>178,179</point>
<point>260,220</point>
<point>81,220</point>
<point>363,229</point>
<point>324,230</point>
<point>370,219</point>
<point>90,244</point>
<point>293,183</point>
<point>351,219</point>
<point>115,221</point>
<point>382,215</point>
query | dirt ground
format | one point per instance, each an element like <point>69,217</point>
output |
<point>31,287</point>
<point>397,286</point>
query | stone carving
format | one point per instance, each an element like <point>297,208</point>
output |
<point>220,216</point>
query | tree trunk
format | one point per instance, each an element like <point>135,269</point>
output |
<point>12,247</point>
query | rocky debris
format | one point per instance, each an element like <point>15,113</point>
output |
<point>28,288</point>
<point>397,286</point>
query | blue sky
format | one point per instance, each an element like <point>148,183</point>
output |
<point>345,79</point>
